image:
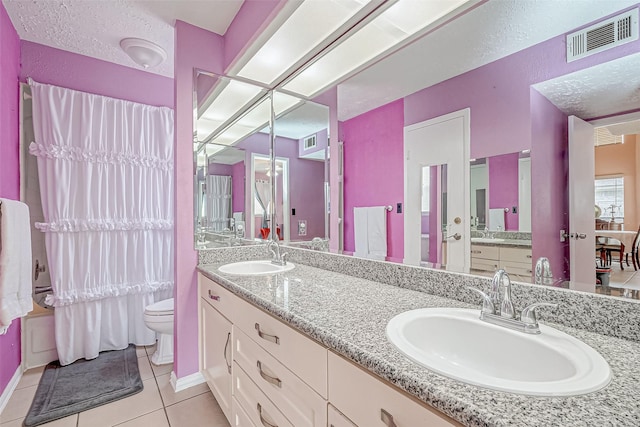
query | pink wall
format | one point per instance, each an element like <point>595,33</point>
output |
<point>9,166</point>
<point>549,169</point>
<point>194,48</point>
<point>503,186</point>
<point>373,164</point>
<point>58,67</point>
<point>238,183</point>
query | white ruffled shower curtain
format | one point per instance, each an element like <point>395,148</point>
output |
<point>218,203</point>
<point>106,178</point>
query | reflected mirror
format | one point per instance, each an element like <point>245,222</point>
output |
<point>230,121</point>
<point>302,143</point>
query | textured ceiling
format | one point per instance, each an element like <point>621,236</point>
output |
<point>491,31</point>
<point>95,27</point>
<point>598,91</point>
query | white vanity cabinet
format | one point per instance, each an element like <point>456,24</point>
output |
<point>216,341</point>
<point>264,373</point>
<point>516,260</point>
<point>367,401</point>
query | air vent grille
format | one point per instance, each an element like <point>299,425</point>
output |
<point>604,35</point>
<point>310,142</point>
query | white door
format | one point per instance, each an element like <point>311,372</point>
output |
<point>581,205</point>
<point>440,141</point>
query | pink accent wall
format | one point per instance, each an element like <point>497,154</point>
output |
<point>373,164</point>
<point>194,48</point>
<point>9,166</point>
<point>503,186</point>
<point>238,183</point>
<point>61,68</point>
<point>549,170</point>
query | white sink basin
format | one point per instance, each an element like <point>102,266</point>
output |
<point>254,268</point>
<point>456,343</point>
<point>485,240</point>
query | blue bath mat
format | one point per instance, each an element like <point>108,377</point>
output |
<point>84,384</point>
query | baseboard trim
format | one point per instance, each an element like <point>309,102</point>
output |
<point>179,384</point>
<point>10,388</point>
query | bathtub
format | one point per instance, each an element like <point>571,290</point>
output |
<point>38,337</point>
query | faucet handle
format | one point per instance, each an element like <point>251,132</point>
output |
<point>487,304</point>
<point>284,258</point>
<point>528,314</point>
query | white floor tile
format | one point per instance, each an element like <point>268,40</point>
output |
<point>155,419</point>
<point>199,411</point>
<point>169,397</point>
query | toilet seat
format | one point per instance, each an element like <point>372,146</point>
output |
<point>160,308</point>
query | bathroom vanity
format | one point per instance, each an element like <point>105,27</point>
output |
<point>267,373</point>
<point>308,348</point>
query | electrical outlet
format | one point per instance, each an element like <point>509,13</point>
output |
<point>399,208</point>
<point>514,209</point>
<point>302,227</point>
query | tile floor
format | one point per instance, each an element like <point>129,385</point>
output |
<point>156,406</point>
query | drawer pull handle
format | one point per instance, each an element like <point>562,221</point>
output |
<point>264,422</point>
<point>226,345</point>
<point>387,418</point>
<point>529,256</point>
<point>476,252</point>
<point>267,337</point>
<point>268,378</point>
<point>214,297</point>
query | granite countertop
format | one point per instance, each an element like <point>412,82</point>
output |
<point>520,243</point>
<point>349,315</point>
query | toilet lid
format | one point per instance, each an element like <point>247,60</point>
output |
<point>160,308</point>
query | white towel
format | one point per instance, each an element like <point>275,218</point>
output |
<point>370,232</point>
<point>360,221</point>
<point>496,219</point>
<point>15,262</point>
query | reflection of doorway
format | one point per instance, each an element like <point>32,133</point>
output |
<point>260,196</point>
<point>436,142</point>
<point>582,195</point>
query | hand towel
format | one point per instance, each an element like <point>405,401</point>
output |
<point>360,227</point>
<point>377,232</point>
<point>496,219</point>
<point>15,262</point>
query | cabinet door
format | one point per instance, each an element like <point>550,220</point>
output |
<point>240,417</point>
<point>367,401</point>
<point>216,355</point>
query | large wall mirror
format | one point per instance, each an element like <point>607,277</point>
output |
<point>233,171</point>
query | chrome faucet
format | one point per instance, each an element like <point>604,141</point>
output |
<point>278,257</point>
<point>543,275</point>
<point>497,307</point>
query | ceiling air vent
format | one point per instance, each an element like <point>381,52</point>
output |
<point>604,137</point>
<point>604,35</point>
<point>310,142</point>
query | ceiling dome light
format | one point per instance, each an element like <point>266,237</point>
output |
<point>143,52</point>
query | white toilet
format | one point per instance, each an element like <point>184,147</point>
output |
<point>159,317</point>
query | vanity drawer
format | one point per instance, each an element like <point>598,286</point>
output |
<point>518,268</point>
<point>485,252</point>
<point>516,254</point>
<point>337,419</point>
<point>240,417</point>
<point>303,356</point>
<point>296,400</point>
<point>365,399</point>
<point>253,401</point>
<point>484,264</point>
<point>217,296</point>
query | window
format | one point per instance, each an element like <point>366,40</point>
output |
<point>610,196</point>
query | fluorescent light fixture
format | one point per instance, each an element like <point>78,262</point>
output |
<point>257,118</point>
<point>393,26</point>
<point>230,98</point>
<point>311,24</point>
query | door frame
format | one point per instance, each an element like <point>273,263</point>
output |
<point>436,155</point>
